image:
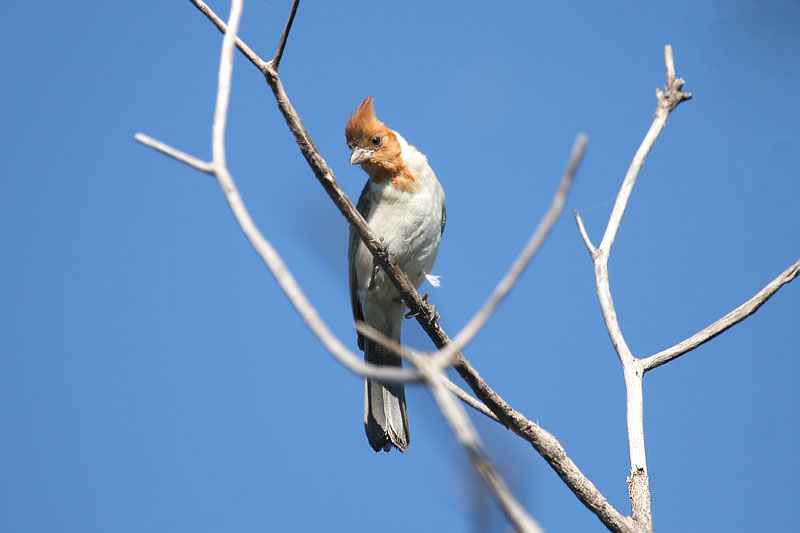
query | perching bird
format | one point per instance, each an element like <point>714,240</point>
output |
<point>402,203</point>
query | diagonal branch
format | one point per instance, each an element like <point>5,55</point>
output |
<point>276,61</point>
<point>728,321</point>
<point>585,236</point>
<point>667,101</point>
<point>469,400</point>
<point>224,97</point>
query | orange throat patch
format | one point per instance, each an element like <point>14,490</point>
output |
<point>404,181</point>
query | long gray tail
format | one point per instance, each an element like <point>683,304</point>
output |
<point>385,417</point>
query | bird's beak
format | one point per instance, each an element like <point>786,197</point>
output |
<point>360,155</point>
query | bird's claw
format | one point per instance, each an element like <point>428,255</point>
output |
<point>432,308</point>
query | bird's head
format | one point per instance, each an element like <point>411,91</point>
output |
<point>372,145</point>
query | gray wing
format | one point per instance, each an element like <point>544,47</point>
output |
<point>363,206</point>
<point>444,217</point>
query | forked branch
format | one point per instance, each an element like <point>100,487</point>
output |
<point>634,368</point>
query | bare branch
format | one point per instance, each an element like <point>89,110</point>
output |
<point>224,93</point>
<point>669,63</point>
<point>276,61</point>
<point>183,157</point>
<point>728,321</point>
<point>469,400</point>
<point>672,94</point>
<point>585,236</point>
<point>445,355</point>
<point>667,101</point>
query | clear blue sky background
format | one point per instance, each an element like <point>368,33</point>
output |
<point>154,378</point>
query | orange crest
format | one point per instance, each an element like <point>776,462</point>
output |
<point>363,124</point>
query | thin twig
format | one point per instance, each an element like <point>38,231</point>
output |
<point>168,150</point>
<point>585,236</point>
<point>276,61</point>
<point>667,101</point>
<point>224,94</point>
<point>669,63</point>
<point>729,320</point>
<point>469,400</point>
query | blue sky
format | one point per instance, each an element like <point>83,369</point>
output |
<point>154,378</point>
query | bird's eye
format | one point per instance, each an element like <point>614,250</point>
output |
<point>376,141</point>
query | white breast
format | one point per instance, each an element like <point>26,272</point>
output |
<point>409,222</point>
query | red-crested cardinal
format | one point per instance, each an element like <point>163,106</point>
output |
<point>402,203</point>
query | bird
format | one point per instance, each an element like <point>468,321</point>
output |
<point>404,205</point>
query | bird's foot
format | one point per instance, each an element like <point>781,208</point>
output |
<point>432,308</point>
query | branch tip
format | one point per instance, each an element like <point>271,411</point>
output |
<point>585,236</point>
<point>670,64</point>
<point>276,61</point>
<point>672,95</point>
